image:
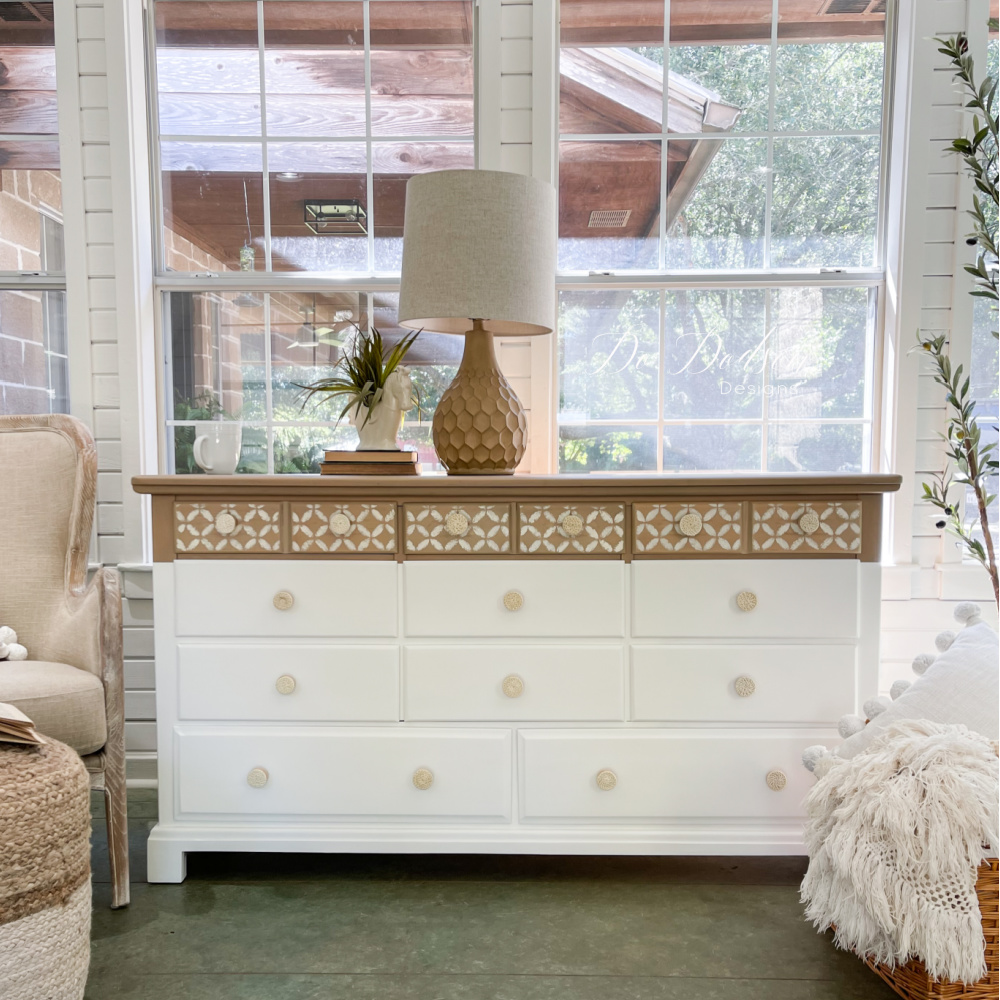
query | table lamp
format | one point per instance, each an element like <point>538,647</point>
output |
<point>479,256</point>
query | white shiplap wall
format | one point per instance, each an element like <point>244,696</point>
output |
<point>118,540</point>
<point>518,93</point>
<point>929,579</point>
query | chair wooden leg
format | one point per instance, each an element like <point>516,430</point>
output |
<point>115,807</point>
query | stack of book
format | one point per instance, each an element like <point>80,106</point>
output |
<point>370,463</point>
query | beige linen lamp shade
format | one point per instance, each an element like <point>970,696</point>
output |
<point>479,255</point>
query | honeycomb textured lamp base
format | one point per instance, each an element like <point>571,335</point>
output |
<point>479,425</point>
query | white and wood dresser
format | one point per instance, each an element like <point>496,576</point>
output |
<point>566,665</point>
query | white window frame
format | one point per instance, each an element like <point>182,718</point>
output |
<point>363,282</point>
<point>546,140</point>
<point>73,280</point>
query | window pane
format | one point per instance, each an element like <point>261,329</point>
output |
<point>825,202</point>
<point>34,373</point>
<point>730,81</point>
<point>216,356</point>
<point>609,205</point>
<point>28,85</point>
<point>308,334</point>
<point>314,68</point>
<point>610,67</point>
<point>984,388</point>
<point>213,208</point>
<point>714,351</point>
<point>608,354</point>
<point>711,448</point>
<point>607,449</point>
<point>421,68</point>
<point>815,447</point>
<point>207,68</point>
<point>394,164</point>
<point>817,364</point>
<point>829,86</point>
<point>719,222</point>
<point>30,201</point>
<point>325,174</point>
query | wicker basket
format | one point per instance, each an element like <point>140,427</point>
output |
<point>911,980</point>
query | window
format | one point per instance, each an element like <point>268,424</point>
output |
<point>719,237</point>
<point>285,132</point>
<point>34,371</point>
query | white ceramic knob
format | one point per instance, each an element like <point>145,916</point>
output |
<point>513,600</point>
<point>809,522</point>
<point>456,524</point>
<point>606,780</point>
<point>744,686</point>
<point>746,600</point>
<point>340,523</point>
<point>513,686</point>
<point>285,684</point>
<point>690,524</point>
<point>283,600</point>
<point>225,522</point>
<point>776,780</point>
<point>423,778</point>
<point>571,525</point>
<point>257,777</point>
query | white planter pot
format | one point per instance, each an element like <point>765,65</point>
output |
<point>378,431</point>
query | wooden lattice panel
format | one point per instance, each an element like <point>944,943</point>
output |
<point>547,529</point>
<point>688,529</point>
<point>830,527</point>
<point>457,528</point>
<point>343,527</point>
<point>227,527</point>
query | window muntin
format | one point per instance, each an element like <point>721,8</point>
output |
<point>34,372</point>
<point>263,105</point>
<point>709,230</point>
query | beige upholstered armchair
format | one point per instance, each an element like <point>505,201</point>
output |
<point>71,685</point>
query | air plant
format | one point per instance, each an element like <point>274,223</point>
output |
<point>360,375</point>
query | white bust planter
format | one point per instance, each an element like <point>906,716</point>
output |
<point>377,428</point>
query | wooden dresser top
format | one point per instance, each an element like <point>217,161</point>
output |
<point>515,488</point>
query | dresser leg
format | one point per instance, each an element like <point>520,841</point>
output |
<point>165,861</point>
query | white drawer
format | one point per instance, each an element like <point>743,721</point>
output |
<point>678,774</point>
<point>557,598</point>
<point>512,683</point>
<point>318,683</point>
<point>792,599</point>
<point>346,772</point>
<point>791,684</point>
<point>240,597</point>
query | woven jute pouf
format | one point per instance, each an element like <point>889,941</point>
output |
<point>44,873</point>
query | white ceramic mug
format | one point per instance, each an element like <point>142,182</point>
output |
<point>217,446</point>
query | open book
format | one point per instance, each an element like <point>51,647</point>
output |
<point>16,727</point>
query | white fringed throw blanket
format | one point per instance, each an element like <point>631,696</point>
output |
<point>895,836</point>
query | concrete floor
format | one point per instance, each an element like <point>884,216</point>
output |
<point>390,927</point>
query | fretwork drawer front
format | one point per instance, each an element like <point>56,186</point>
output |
<point>285,598</point>
<point>288,683</point>
<point>515,598</point>
<point>353,773</point>
<point>457,529</point>
<point>802,685</point>
<point>574,774</point>
<point>512,683</point>
<point>688,529</point>
<point>814,527</point>
<point>343,527</point>
<point>571,529</point>
<point>208,527</point>
<point>749,598</point>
